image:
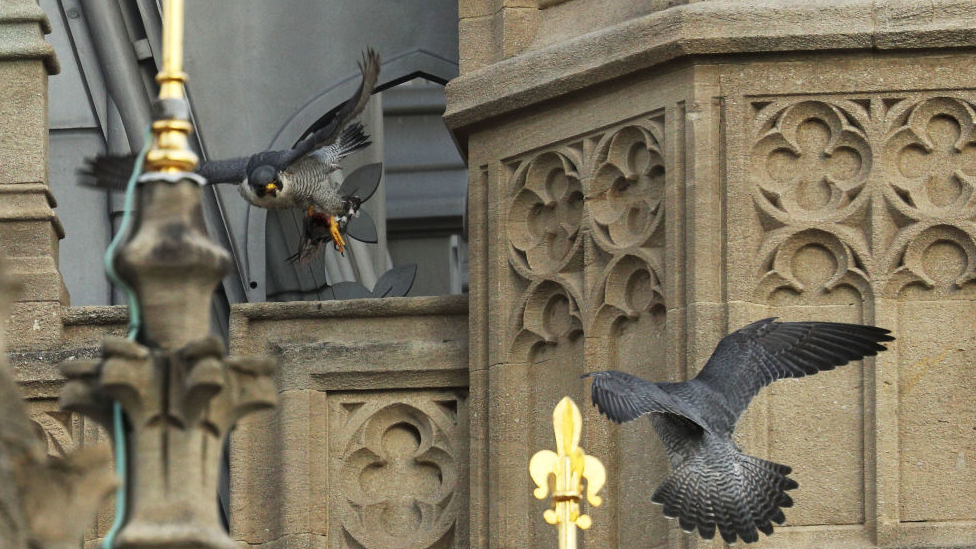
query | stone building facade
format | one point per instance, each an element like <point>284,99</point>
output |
<point>644,177</point>
<point>648,176</point>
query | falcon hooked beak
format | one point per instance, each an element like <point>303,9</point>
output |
<point>271,189</point>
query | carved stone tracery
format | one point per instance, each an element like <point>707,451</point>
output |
<point>551,225</point>
<point>626,196</point>
<point>545,213</point>
<point>398,463</point>
<point>811,164</point>
<point>884,185</point>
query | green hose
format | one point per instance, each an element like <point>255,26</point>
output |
<point>135,325</point>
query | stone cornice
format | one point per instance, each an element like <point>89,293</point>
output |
<point>19,36</point>
<point>703,28</point>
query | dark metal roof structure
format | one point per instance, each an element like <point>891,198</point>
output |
<point>261,74</point>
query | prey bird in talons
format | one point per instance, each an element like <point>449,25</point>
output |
<point>318,229</point>
<point>712,483</point>
<point>292,178</point>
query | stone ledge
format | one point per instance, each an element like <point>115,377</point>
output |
<point>29,202</point>
<point>95,315</point>
<point>703,28</point>
<point>376,365</point>
<point>373,307</point>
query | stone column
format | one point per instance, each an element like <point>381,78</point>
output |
<point>646,177</point>
<point>29,229</point>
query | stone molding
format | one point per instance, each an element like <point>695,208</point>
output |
<point>374,408</point>
<point>19,22</point>
<point>697,29</point>
<point>371,307</point>
<point>20,201</point>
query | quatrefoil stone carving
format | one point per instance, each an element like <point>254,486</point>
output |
<point>811,163</point>
<point>627,194</point>
<point>399,474</point>
<point>545,214</point>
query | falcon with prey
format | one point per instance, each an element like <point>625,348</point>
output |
<point>712,484</point>
<point>292,178</point>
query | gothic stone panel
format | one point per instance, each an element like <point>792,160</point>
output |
<point>586,255</point>
<point>849,197</point>
<point>398,461</point>
<point>810,166</point>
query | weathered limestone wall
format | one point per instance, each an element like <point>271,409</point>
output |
<point>639,191</point>
<point>36,371</point>
<point>367,446</point>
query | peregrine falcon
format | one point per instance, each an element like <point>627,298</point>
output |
<point>292,178</point>
<point>712,483</point>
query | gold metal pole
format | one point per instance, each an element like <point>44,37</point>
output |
<point>569,464</point>
<point>171,151</point>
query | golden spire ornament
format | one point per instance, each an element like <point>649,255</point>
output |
<point>171,150</point>
<point>569,465</point>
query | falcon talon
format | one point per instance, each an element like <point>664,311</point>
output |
<point>337,240</point>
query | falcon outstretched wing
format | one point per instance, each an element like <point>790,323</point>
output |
<point>110,172</point>
<point>624,397</point>
<point>370,68</point>
<point>224,171</point>
<point>754,356</point>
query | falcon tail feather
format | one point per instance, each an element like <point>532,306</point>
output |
<point>737,494</point>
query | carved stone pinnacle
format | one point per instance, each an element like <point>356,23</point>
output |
<point>180,392</point>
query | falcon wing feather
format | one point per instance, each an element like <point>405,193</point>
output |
<point>111,172</point>
<point>224,171</point>
<point>370,68</point>
<point>754,356</point>
<point>108,172</point>
<point>624,397</point>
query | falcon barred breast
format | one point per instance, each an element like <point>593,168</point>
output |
<point>712,483</point>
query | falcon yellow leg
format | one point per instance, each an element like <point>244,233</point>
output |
<point>340,244</point>
<point>311,210</point>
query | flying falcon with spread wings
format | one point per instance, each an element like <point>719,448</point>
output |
<point>712,483</point>
<point>292,178</point>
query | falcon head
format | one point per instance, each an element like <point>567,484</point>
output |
<point>350,206</point>
<point>264,181</point>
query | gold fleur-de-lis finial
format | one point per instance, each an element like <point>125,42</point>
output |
<point>569,465</point>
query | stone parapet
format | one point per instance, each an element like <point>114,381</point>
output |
<point>368,445</point>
